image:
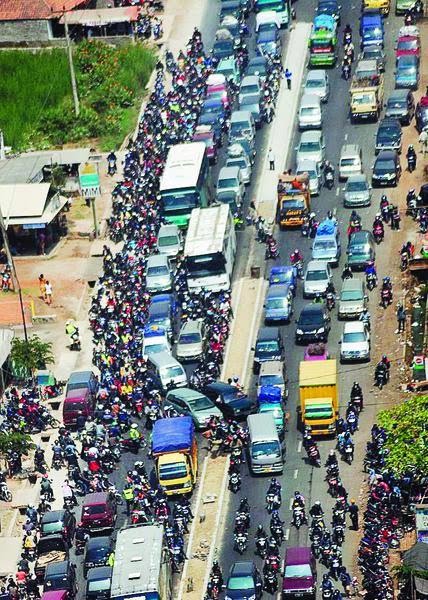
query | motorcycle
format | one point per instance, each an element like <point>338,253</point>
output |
<point>349,453</point>
<point>261,547</point>
<point>329,179</point>
<point>298,517</point>
<point>330,301</point>
<point>385,297</point>
<point>272,502</point>
<point>378,234</point>
<point>75,341</point>
<point>234,483</point>
<point>112,168</point>
<point>371,281</point>
<point>314,455</point>
<point>270,583</point>
<point>346,72</point>
<point>380,378</point>
<point>404,261</point>
<point>241,542</point>
<point>5,493</point>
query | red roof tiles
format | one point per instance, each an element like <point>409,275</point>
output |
<point>17,10</point>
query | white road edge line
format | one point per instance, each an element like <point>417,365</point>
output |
<point>299,446</point>
<point>291,503</point>
<point>287,535</point>
<point>337,191</point>
<point>193,527</point>
<point>296,471</point>
<point>256,317</point>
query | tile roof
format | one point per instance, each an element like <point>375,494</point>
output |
<point>17,10</point>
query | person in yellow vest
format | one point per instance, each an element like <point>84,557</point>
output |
<point>110,560</point>
<point>128,496</point>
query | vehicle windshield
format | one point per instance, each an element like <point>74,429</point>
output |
<point>172,471</point>
<point>296,203</point>
<point>325,245</point>
<point>309,110</point>
<point>265,449</point>
<point>237,162</point>
<point>249,89</point>
<point>205,266</point>
<point>310,318</point>
<point>200,404</point>
<point>267,347</point>
<point>351,295</point>
<point>354,337</point>
<point>227,183</point>
<point>315,83</point>
<point>372,34</point>
<point>241,583</point>
<point>385,166</point>
<point>362,98</point>
<point>297,571</point>
<point>168,240</point>
<point>388,131</point>
<point>54,527</point>
<point>271,380</point>
<point>240,128</point>
<point>256,70</point>
<point>99,585</point>
<point>250,101</point>
<point>153,348</point>
<point>276,303</point>
<point>158,270</point>
<point>175,203</point>
<point>348,162</point>
<point>189,338</point>
<point>267,27</point>
<point>309,147</point>
<point>407,45</point>
<point>356,186</point>
<point>223,45</point>
<point>171,372</point>
<point>359,250</point>
<point>316,275</point>
<point>406,70</point>
<point>97,509</point>
<point>397,104</point>
<point>318,410</point>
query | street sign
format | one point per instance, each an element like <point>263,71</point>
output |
<point>89,180</point>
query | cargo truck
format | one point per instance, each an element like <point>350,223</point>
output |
<point>175,451</point>
<point>366,92</point>
<point>294,200</point>
<point>319,404</point>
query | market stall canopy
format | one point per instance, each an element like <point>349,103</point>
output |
<point>29,204</point>
<point>417,557</point>
<point>102,16</point>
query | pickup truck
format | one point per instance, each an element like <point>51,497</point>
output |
<point>50,549</point>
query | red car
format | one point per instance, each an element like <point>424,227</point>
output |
<point>408,44</point>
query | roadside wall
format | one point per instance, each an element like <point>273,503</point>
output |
<point>24,31</point>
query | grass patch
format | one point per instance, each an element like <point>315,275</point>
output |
<point>36,107</point>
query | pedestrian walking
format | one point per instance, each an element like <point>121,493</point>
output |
<point>395,218</point>
<point>128,496</point>
<point>353,513</point>
<point>423,140</point>
<point>48,293</point>
<point>42,285</point>
<point>288,76</point>
<point>271,157</point>
<point>401,318</point>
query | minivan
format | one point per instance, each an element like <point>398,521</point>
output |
<point>278,304</point>
<point>61,576</point>
<point>98,583</point>
<point>265,450</point>
<point>269,346</point>
<point>310,113</point>
<point>99,512</point>
<point>230,179</point>
<point>361,249</point>
<point>272,372</point>
<point>167,369</point>
<point>242,161</point>
<point>97,551</point>
<point>300,574</point>
<point>327,245</point>
<point>82,379</point>
<point>352,299</point>
<point>350,161</point>
<point>401,105</point>
<point>76,401</point>
<point>241,125</point>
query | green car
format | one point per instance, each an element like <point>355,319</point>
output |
<point>194,404</point>
<point>402,6</point>
<point>229,68</point>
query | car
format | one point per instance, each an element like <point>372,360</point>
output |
<point>402,6</point>
<point>272,373</point>
<point>230,180</point>
<point>401,105</point>
<point>361,250</point>
<point>329,7</point>
<point>350,161</point>
<point>313,324</point>
<point>161,314</point>
<point>355,342</point>
<point>218,90</point>
<point>268,41</point>
<point>242,161</point>
<point>234,27</point>
<point>97,552</point>
<point>250,86</point>
<point>158,274</point>
<point>233,402</point>
<point>375,53</point>
<point>244,581</point>
<point>387,169</point>
<point>99,512</point>
<point>389,135</point>
<point>422,114</point>
<point>352,299</point>
<point>252,104</point>
<point>284,274</point>
<point>310,114</point>
<point>408,44</point>
<point>60,576</point>
<point>215,106</point>
<point>258,65</point>
<point>357,190</point>
<point>188,402</point>
<point>232,8</point>
<point>312,168</point>
<point>233,199</point>
<point>269,346</point>
<point>317,83</point>
<point>311,147</point>
<point>59,521</point>
<point>278,304</point>
<point>223,47</point>
<point>205,133</point>
<point>212,121</point>
<point>191,341</point>
<point>407,72</point>
<point>230,69</point>
<point>316,279</point>
<point>155,340</point>
<point>169,240</point>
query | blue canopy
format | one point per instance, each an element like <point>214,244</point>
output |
<point>324,22</point>
<point>173,434</point>
<point>327,227</point>
<point>269,394</point>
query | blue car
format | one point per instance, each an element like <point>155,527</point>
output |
<point>161,314</point>
<point>407,73</point>
<point>278,304</point>
<point>280,275</point>
<point>212,120</point>
<point>268,42</point>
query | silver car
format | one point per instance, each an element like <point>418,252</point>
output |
<point>317,83</point>
<point>170,241</point>
<point>352,299</point>
<point>250,86</point>
<point>313,170</point>
<point>244,164</point>
<point>311,147</point>
<point>158,274</point>
<point>191,341</point>
<point>317,277</point>
<point>358,191</point>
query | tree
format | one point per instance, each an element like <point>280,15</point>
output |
<point>29,356</point>
<point>15,441</point>
<point>407,429</point>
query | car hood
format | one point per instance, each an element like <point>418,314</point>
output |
<point>392,112</point>
<point>188,349</point>
<point>203,415</point>
<point>363,195</point>
<point>240,594</point>
<point>298,583</point>
<point>355,346</point>
<point>303,156</point>
<point>238,403</point>
<point>310,327</point>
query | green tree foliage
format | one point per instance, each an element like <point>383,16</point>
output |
<point>29,356</point>
<point>15,442</point>
<point>407,428</point>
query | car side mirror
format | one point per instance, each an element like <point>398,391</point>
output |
<point>253,349</point>
<point>339,342</point>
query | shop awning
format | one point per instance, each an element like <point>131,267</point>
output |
<point>29,204</point>
<point>102,16</point>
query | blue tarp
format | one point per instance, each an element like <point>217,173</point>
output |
<point>170,435</point>
<point>269,394</point>
<point>324,22</point>
<point>326,227</point>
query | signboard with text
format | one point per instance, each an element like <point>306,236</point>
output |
<point>89,180</point>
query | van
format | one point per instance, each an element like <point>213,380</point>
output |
<point>272,372</point>
<point>350,161</point>
<point>371,31</point>
<point>240,160</point>
<point>300,574</point>
<point>82,379</point>
<point>99,512</point>
<point>278,304</point>
<point>265,450</point>
<point>167,369</point>
<point>327,245</point>
<point>79,400</point>
<point>98,583</point>
<point>361,249</point>
<point>352,299</point>
<point>269,346</point>
<point>61,576</point>
<point>241,126</point>
<point>230,180</point>
<point>267,17</point>
<point>310,113</point>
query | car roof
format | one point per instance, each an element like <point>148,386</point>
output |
<point>103,541</point>
<point>99,573</point>
<point>407,38</point>
<point>168,229</point>
<point>313,135</point>
<point>276,290</point>
<point>57,568</point>
<point>221,387</point>
<point>357,177</point>
<point>353,326</point>
<point>53,515</point>
<point>250,80</point>
<point>257,60</point>
<point>352,284</point>
<point>186,393</point>
<point>407,59</point>
<point>361,236</point>
<point>387,155</point>
<point>268,333</point>
<point>312,308</point>
<point>226,172</point>
<point>309,100</point>
<point>242,568</point>
<point>399,94</point>
<point>157,260</point>
<point>315,74</point>
<point>162,298</point>
<point>388,121</point>
<point>95,498</point>
<point>306,165</point>
<point>298,556</point>
<point>191,325</point>
<point>159,308</point>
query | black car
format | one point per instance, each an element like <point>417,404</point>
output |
<point>59,521</point>
<point>231,401</point>
<point>98,549</point>
<point>244,581</point>
<point>61,576</point>
<point>421,115</point>
<point>223,49</point>
<point>313,324</point>
<point>268,346</point>
<point>389,135</point>
<point>387,169</point>
<point>401,106</point>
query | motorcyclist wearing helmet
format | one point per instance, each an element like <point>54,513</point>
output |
<point>299,499</point>
<point>316,510</point>
<point>296,257</point>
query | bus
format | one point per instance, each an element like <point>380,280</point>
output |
<point>141,566</point>
<point>185,183</point>
<point>210,249</point>
<point>323,42</point>
<point>281,7</point>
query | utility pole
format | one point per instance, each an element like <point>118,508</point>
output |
<point>71,65</point>
<point>2,151</point>
<point>94,215</point>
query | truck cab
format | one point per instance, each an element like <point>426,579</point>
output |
<point>294,200</point>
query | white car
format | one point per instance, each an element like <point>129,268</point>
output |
<point>158,274</point>
<point>311,147</point>
<point>170,241</point>
<point>317,277</point>
<point>355,342</point>
<point>155,340</point>
<point>317,83</point>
